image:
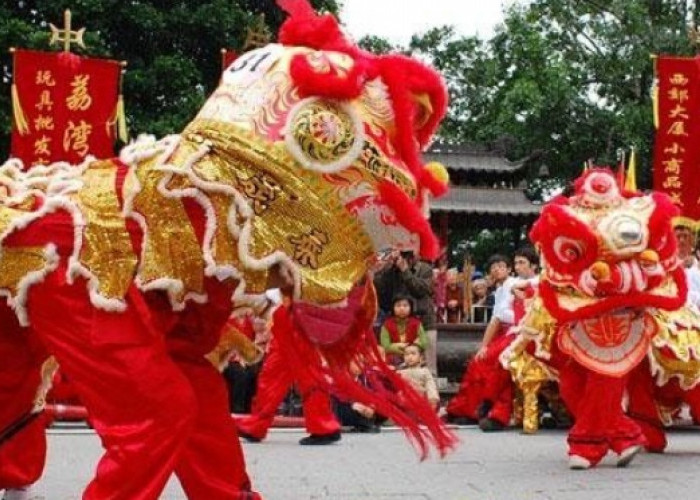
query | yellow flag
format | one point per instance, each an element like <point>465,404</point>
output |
<point>631,179</point>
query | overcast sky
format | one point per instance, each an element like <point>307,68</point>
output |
<point>397,20</point>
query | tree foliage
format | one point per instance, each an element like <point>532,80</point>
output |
<point>570,79</point>
<point>172,48</point>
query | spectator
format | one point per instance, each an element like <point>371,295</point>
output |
<point>480,292</point>
<point>486,392</point>
<point>440,275</point>
<point>418,375</point>
<point>404,274</point>
<point>400,330</point>
<point>359,417</point>
<point>686,242</point>
<point>454,297</point>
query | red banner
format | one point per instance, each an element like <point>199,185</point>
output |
<point>677,145</point>
<point>64,107</point>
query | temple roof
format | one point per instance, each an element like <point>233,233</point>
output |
<point>472,157</point>
<point>477,200</point>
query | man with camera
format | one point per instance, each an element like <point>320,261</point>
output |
<point>402,273</point>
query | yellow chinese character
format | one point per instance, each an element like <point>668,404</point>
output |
<point>672,166</point>
<point>44,101</point>
<point>80,98</point>
<point>676,198</point>
<point>43,122</point>
<point>674,149</point>
<point>678,79</point>
<point>44,77</point>
<point>676,94</point>
<point>677,128</point>
<point>76,137</point>
<point>678,111</point>
<point>308,247</point>
<point>672,181</point>
<point>41,146</point>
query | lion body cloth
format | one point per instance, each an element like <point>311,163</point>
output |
<point>610,316</point>
<point>301,166</point>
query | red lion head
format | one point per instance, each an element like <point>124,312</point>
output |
<point>605,248</point>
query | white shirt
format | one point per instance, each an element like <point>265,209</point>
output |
<point>692,275</point>
<point>504,298</point>
<point>503,301</point>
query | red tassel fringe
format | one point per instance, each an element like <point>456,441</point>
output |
<point>387,392</point>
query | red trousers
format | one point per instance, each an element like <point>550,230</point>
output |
<point>645,396</point>
<point>275,380</point>
<point>22,457</point>
<point>595,401</point>
<point>486,380</point>
<point>156,403</point>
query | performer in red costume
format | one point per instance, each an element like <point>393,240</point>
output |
<point>22,455</point>
<point>608,257</point>
<point>127,269</point>
<point>276,378</point>
<point>486,392</point>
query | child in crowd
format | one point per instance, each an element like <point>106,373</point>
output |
<point>418,375</point>
<point>400,330</point>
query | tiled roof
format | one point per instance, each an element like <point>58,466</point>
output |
<point>485,201</point>
<point>471,157</point>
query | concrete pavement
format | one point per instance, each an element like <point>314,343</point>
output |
<point>497,466</point>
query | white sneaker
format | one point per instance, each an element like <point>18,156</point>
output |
<point>628,455</point>
<point>577,462</point>
<point>26,493</point>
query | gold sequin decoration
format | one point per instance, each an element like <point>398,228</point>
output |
<point>171,249</point>
<point>679,331</point>
<point>17,263</point>
<point>306,202</point>
<point>107,252</point>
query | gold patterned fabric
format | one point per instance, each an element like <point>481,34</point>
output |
<point>264,184</point>
<point>106,253</point>
<point>676,348</point>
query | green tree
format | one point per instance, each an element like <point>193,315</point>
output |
<point>172,49</point>
<point>569,78</point>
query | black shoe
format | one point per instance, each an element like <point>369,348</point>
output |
<point>483,409</point>
<point>315,439</point>
<point>490,425</point>
<point>248,437</point>
<point>547,421</point>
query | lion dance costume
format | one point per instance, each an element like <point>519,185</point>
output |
<point>609,264</point>
<point>302,165</point>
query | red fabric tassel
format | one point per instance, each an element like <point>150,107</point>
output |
<point>386,392</point>
<point>410,216</point>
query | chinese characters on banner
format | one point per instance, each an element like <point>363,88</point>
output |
<point>677,148</point>
<point>64,107</point>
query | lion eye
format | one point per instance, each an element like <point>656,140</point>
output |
<point>567,249</point>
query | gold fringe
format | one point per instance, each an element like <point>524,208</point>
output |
<point>20,119</point>
<point>122,131</point>
<point>118,120</point>
<point>631,179</point>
